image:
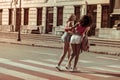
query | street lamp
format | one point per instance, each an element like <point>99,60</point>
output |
<point>19,32</point>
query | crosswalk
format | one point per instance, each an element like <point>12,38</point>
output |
<point>45,70</point>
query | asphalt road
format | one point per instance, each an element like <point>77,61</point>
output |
<point>20,62</point>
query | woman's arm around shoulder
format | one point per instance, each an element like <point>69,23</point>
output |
<point>87,30</point>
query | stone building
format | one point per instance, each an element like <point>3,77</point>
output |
<point>114,22</point>
<point>115,12</point>
<point>49,14</point>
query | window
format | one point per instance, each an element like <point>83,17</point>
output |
<point>26,16</point>
<point>59,16</point>
<point>10,16</point>
<point>39,16</point>
<point>77,12</point>
<point>0,17</point>
<point>105,16</point>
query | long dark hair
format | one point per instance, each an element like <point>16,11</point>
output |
<point>85,21</point>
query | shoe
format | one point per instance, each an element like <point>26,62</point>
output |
<point>74,70</point>
<point>68,67</point>
<point>58,68</point>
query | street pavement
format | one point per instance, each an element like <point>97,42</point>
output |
<point>38,70</point>
<point>19,62</point>
<point>53,44</point>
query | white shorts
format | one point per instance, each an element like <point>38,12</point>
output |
<point>75,39</point>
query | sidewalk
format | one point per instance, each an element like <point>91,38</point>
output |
<point>58,45</point>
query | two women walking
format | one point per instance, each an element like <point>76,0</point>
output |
<point>76,34</point>
<point>66,39</point>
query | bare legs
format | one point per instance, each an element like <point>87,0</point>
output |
<point>66,49</point>
<point>72,56</point>
<point>76,52</point>
<point>76,56</point>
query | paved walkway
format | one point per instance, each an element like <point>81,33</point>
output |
<point>51,44</point>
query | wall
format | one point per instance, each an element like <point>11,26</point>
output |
<point>67,4</point>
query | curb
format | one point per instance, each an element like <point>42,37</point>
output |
<point>47,46</point>
<point>34,45</point>
<point>106,53</point>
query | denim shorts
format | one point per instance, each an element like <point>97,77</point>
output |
<point>66,37</point>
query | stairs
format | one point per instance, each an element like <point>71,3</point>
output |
<point>36,37</point>
<point>53,38</point>
<point>44,37</point>
<point>105,42</point>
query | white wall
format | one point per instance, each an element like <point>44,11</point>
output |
<point>5,17</point>
<point>68,9</point>
<point>98,1</point>
<point>32,16</point>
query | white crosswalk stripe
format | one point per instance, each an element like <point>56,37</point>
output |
<point>39,63</point>
<point>114,66</point>
<point>51,65</point>
<point>100,75</point>
<point>65,62</point>
<point>105,69</point>
<point>108,58</point>
<point>26,76</point>
<point>20,74</point>
<point>42,70</point>
<point>97,68</point>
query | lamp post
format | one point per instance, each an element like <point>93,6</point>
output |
<point>19,32</point>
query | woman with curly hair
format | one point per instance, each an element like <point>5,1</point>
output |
<point>81,30</point>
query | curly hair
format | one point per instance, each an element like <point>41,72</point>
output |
<point>86,20</point>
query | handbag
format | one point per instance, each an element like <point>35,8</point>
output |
<point>85,43</point>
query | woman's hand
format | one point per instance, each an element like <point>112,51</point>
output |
<point>68,29</point>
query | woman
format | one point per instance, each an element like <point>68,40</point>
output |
<point>80,31</point>
<point>66,39</point>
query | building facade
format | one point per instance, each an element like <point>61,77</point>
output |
<point>115,12</point>
<point>49,14</point>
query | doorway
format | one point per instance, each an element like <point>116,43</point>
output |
<point>18,19</point>
<point>0,17</point>
<point>92,11</point>
<point>49,20</point>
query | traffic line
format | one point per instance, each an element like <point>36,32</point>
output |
<point>101,75</point>
<point>55,61</point>
<point>85,61</point>
<point>107,58</point>
<point>114,66</point>
<point>65,61</point>
<point>104,69</point>
<point>42,70</point>
<point>20,74</point>
<point>51,65</point>
<point>38,63</point>
<point>34,73</point>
